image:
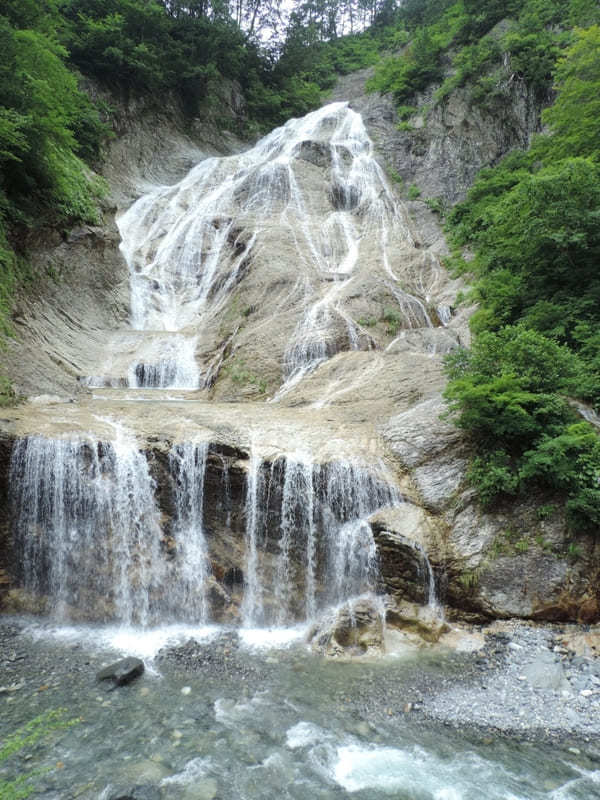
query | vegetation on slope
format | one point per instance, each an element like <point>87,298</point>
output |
<point>533,224</point>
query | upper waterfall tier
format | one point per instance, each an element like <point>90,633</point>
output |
<point>262,258</point>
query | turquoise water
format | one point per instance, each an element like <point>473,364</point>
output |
<point>287,725</point>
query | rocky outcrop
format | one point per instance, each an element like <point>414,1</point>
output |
<point>445,143</point>
<point>371,393</point>
<point>513,562</point>
<point>353,630</point>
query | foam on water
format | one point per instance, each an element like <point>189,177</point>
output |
<point>272,638</point>
<point>416,773</point>
<point>194,769</point>
<point>305,734</point>
<point>144,643</point>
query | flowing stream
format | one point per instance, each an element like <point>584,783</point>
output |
<point>247,724</point>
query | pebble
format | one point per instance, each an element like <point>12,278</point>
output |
<point>186,690</point>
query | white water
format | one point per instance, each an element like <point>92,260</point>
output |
<point>188,467</point>
<point>324,551</point>
<point>188,246</point>
<point>88,526</point>
<point>95,543</point>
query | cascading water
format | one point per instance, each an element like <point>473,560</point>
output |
<point>88,526</point>
<point>94,542</point>
<point>323,552</point>
<point>90,531</point>
<point>188,467</point>
<point>188,246</point>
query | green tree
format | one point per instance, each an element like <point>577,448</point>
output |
<point>574,119</point>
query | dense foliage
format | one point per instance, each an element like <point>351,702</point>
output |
<point>533,223</point>
<point>47,126</point>
<point>463,41</point>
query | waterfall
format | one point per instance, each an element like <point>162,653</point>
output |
<point>88,527</point>
<point>251,610</point>
<point>323,552</point>
<point>426,570</point>
<point>188,467</point>
<point>94,541</point>
<point>188,246</point>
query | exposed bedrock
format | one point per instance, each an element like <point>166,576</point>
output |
<point>265,326</point>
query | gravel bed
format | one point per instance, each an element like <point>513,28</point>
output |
<point>528,684</point>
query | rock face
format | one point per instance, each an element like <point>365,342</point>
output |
<point>251,386</point>
<point>353,630</point>
<point>450,140</point>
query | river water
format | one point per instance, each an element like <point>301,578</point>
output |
<point>239,719</point>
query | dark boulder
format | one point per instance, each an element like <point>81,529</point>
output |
<point>123,671</point>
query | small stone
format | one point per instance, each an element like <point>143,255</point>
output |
<point>408,708</point>
<point>586,692</point>
<point>186,690</point>
<point>144,691</point>
<point>177,734</point>
<point>575,750</point>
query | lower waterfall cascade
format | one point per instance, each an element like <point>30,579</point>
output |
<point>90,535</point>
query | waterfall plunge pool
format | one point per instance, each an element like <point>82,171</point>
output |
<point>220,718</point>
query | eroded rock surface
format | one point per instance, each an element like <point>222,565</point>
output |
<point>318,337</point>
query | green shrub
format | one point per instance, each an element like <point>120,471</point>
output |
<point>393,319</point>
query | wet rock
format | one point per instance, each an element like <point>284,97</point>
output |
<point>425,621</point>
<point>122,672</point>
<point>351,631</point>
<point>403,537</point>
<point>317,153</point>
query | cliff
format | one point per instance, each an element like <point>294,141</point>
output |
<point>309,338</point>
